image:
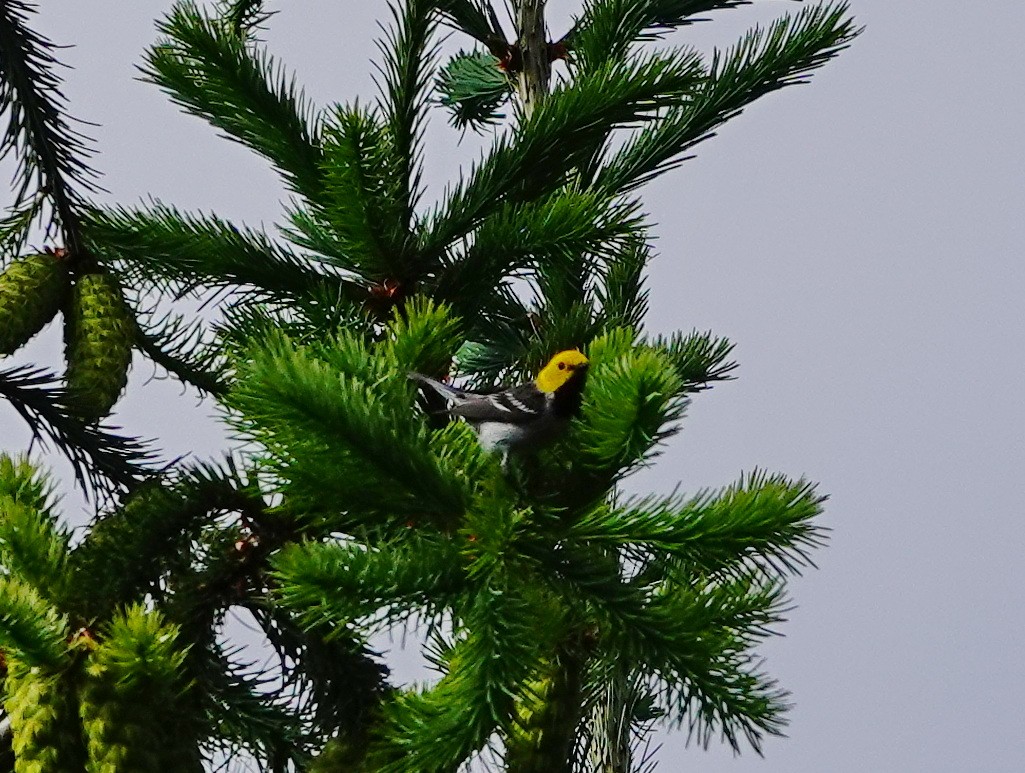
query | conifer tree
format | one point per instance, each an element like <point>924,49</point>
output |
<point>563,616</point>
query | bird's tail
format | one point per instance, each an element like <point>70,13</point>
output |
<point>449,393</point>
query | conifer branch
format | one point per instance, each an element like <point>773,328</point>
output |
<point>180,349</point>
<point>381,463</point>
<point>181,252</point>
<point>474,88</point>
<point>103,462</point>
<point>244,15</point>
<point>546,235</point>
<point>408,60</point>
<point>217,75</point>
<point>716,684</point>
<point>337,681</point>
<point>240,710</point>
<point>693,643</point>
<point>573,120</point>
<point>476,18</point>
<point>130,550</point>
<point>628,405</point>
<point>326,584</point>
<point>618,703</point>
<point>766,60</point>
<point>607,29</point>
<point>31,627</point>
<point>33,546</point>
<point>360,224</point>
<point>15,226</point>
<point>763,520</point>
<point>700,359</point>
<point>50,152</point>
<point>503,641</point>
<point>617,292</point>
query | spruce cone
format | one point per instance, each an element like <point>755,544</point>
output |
<point>32,289</point>
<point>99,331</point>
<point>47,735</point>
<point>129,700</point>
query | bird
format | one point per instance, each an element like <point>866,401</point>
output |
<point>524,416</point>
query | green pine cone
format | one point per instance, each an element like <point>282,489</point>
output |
<point>99,331</point>
<point>32,290</point>
<point>130,699</point>
<point>46,732</point>
<point>119,731</point>
<point>547,711</point>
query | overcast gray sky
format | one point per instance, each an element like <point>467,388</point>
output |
<point>861,240</point>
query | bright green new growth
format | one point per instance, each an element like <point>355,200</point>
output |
<point>563,616</point>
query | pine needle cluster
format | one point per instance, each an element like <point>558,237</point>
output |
<point>563,617</point>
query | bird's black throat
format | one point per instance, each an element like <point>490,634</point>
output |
<point>566,399</point>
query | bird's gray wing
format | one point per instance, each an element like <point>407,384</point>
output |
<point>518,405</point>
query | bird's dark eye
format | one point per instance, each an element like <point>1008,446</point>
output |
<point>562,366</point>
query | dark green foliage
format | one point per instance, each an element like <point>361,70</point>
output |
<point>178,253</point>
<point>15,226</point>
<point>699,358</point>
<point>132,548</point>
<point>559,135</point>
<point>244,15</point>
<point>103,462</point>
<point>408,59</point>
<point>764,61</point>
<point>50,152</point>
<point>476,18</point>
<point>360,222</point>
<point>212,72</point>
<point>546,238</point>
<point>608,29</point>
<point>338,680</point>
<point>185,350</point>
<point>561,615</point>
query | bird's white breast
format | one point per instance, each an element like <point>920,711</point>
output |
<point>495,436</point>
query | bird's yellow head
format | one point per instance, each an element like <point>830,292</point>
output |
<point>560,369</point>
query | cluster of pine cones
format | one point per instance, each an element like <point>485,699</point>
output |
<point>99,328</point>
